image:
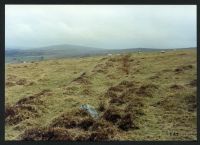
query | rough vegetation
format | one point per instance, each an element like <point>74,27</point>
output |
<point>138,96</point>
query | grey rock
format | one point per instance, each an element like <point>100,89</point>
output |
<point>90,110</point>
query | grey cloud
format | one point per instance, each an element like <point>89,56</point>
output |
<point>114,26</point>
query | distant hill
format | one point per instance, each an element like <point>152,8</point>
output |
<point>13,55</point>
<point>48,52</point>
<point>55,50</point>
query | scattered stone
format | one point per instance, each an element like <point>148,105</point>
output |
<point>90,110</point>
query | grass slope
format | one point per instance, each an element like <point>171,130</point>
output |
<point>147,96</point>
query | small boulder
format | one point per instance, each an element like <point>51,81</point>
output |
<point>90,110</point>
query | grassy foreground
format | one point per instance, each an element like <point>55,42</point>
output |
<point>147,96</point>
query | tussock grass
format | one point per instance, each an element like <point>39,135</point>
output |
<point>146,96</point>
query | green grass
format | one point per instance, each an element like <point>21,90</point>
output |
<point>168,115</point>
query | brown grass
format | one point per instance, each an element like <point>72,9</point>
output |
<point>117,100</point>
<point>115,89</point>
<point>191,101</point>
<point>35,98</point>
<point>193,83</point>
<point>66,121</point>
<point>71,127</point>
<point>62,134</point>
<point>9,84</point>
<point>125,92</point>
<point>100,68</point>
<point>21,82</point>
<point>176,87</point>
<point>99,136</point>
<point>25,108</point>
<point>126,122</point>
<point>178,101</point>
<point>18,113</point>
<point>126,63</point>
<point>82,79</point>
<point>86,91</point>
<point>86,123</point>
<point>111,94</point>
<point>183,68</point>
<point>69,90</point>
<point>101,106</point>
<point>79,119</point>
<point>147,90</point>
<point>46,134</point>
<point>154,77</point>
<point>112,114</point>
<point>9,110</point>
<point>129,91</point>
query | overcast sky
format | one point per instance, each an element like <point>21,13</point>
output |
<point>103,26</point>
